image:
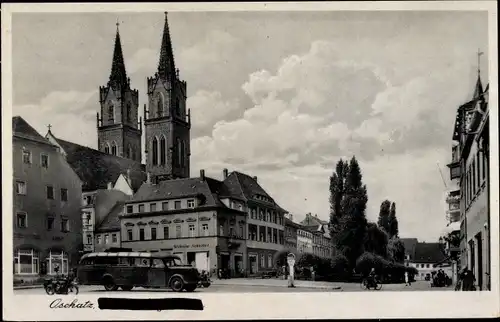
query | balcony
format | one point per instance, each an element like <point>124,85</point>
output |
<point>454,170</point>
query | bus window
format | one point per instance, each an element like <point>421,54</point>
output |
<point>125,261</point>
<point>142,262</point>
<point>88,261</point>
<point>157,263</point>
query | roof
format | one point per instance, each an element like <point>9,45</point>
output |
<point>429,253</point>
<point>21,128</point>
<point>291,223</point>
<point>410,244</point>
<point>247,188</point>
<point>112,221</point>
<point>180,188</point>
<point>96,169</point>
<point>311,220</point>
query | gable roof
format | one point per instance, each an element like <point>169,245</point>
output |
<point>311,220</point>
<point>180,188</point>
<point>96,169</point>
<point>21,128</point>
<point>243,186</point>
<point>429,253</point>
<point>112,221</point>
<point>291,223</point>
<point>410,244</point>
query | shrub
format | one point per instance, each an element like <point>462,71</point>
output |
<point>339,266</point>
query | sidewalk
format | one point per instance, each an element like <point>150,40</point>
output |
<point>24,287</point>
<point>274,282</point>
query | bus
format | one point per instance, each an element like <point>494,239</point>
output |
<point>127,270</point>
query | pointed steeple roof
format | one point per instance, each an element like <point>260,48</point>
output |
<point>118,74</point>
<point>166,65</point>
<point>479,87</point>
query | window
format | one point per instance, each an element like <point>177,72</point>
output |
<point>164,205</point>
<point>157,263</point>
<point>22,220</point>
<point>178,231</point>
<point>154,149</point>
<point>106,239</point>
<point>159,109</point>
<point>177,204</point>
<point>204,229</point>
<point>50,222</point>
<point>166,232</point>
<point>163,151</point>
<point>130,234</point>
<point>111,114</point>
<point>26,262</point>
<point>98,239</point>
<point>64,194</point>
<point>153,233</point>
<point>58,261</point>
<point>21,188</point>
<point>484,165</point>
<point>478,174</point>
<point>177,107</point>
<point>473,177</point>
<point>129,113</point>
<point>221,230</point>
<point>50,192</point>
<point>89,239</point>
<point>44,160</point>
<point>179,151</point>
<point>64,225</point>
<point>231,231</point>
<point>130,209</point>
<point>113,148</point>
<point>26,157</point>
<point>141,208</point>
<point>241,231</point>
<point>190,203</point>
<point>269,260</point>
<point>141,233</point>
<point>114,238</point>
<point>152,207</point>
<point>262,261</point>
<point>192,231</point>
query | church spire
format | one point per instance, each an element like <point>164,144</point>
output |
<point>118,74</point>
<point>166,66</point>
<point>479,86</point>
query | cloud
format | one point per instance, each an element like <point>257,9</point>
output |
<point>72,115</point>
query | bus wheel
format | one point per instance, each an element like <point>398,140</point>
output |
<point>176,284</point>
<point>127,287</point>
<point>109,284</point>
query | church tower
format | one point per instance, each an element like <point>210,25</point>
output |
<point>167,122</point>
<point>119,128</point>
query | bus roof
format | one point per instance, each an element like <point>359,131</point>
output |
<point>130,254</point>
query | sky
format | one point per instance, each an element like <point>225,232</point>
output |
<point>278,95</point>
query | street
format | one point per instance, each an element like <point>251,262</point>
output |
<point>238,288</point>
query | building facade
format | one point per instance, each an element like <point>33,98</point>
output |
<point>47,196</point>
<point>291,229</point>
<point>425,257</point>
<point>470,166</point>
<point>186,218</point>
<point>304,241</point>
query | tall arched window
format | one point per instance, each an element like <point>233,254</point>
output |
<point>129,151</point>
<point>159,106</point>
<point>111,113</point>
<point>179,151</point>
<point>106,147</point>
<point>155,151</point>
<point>129,113</point>
<point>163,151</point>
<point>113,148</point>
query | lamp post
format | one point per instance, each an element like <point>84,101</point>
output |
<point>291,264</point>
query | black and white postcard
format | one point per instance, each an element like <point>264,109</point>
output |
<point>253,160</point>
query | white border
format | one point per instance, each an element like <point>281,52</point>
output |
<point>265,305</point>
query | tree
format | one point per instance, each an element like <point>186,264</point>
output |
<point>376,240</point>
<point>383,216</point>
<point>393,222</point>
<point>396,250</point>
<point>337,192</point>
<point>351,238</point>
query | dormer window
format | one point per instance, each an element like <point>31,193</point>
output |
<point>190,203</point>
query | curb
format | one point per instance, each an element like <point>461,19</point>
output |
<point>296,286</point>
<point>24,287</point>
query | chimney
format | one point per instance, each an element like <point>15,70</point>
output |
<point>225,173</point>
<point>202,174</point>
<point>110,186</point>
<point>255,178</point>
<point>148,180</point>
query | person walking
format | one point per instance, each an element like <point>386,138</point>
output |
<point>407,280</point>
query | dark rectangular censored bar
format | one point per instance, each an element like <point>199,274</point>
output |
<point>113,303</point>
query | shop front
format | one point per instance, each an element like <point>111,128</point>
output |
<point>231,256</point>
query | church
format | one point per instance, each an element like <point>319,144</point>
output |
<point>157,206</point>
